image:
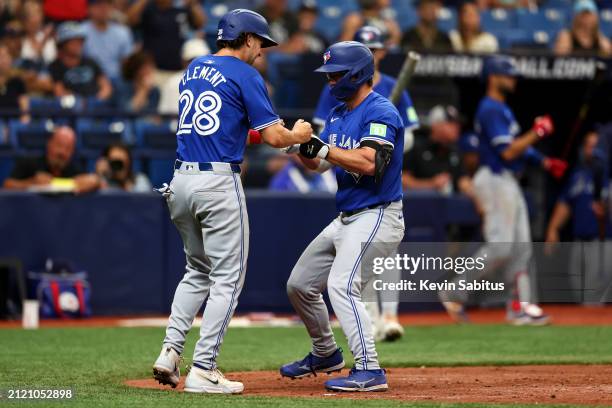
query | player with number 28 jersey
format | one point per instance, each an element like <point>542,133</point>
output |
<point>221,96</point>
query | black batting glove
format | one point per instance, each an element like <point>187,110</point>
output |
<point>315,147</point>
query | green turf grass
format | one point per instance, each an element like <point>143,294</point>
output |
<point>94,362</point>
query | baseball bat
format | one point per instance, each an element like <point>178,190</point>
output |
<point>600,74</point>
<point>405,74</point>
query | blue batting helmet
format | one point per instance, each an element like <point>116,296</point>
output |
<point>500,65</point>
<point>370,36</point>
<point>353,58</point>
<point>239,21</point>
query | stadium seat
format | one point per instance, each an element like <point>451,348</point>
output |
<point>95,135</point>
<point>331,15</point>
<point>214,11</point>
<point>29,136</point>
<point>526,39</point>
<point>558,4</point>
<point>605,22</point>
<point>404,13</point>
<point>543,20</point>
<point>497,19</point>
<point>447,19</point>
<point>155,136</point>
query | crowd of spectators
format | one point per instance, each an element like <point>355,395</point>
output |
<point>130,55</point>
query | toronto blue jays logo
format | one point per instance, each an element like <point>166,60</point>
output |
<point>326,56</point>
<point>368,35</point>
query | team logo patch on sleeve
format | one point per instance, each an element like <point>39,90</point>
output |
<point>378,129</point>
<point>412,115</point>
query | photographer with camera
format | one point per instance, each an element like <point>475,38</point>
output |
<point>115,170</point>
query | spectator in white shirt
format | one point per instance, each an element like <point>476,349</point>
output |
<point>38,43</point>
<point>469,37</point>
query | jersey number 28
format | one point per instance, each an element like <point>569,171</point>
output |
<point>205,119</point>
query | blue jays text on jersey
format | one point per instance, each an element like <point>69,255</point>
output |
<point>384,87</point>
<point>221,97</point>
<point>375,118</point>
<point>496,128</point>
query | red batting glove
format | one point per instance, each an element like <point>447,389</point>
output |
<point>556,167</point>
<point>254,137</point>
<point>543,126</point>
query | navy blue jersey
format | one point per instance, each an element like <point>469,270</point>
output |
<point>384,87</point>
<point>221,98</point>
<point>496,128</point>
<point>579,194</point>
<point>374,119</point>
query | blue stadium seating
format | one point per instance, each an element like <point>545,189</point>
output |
<point>95,135</point>
<point>27,137</point>
<point>405,13</point>
<point>497,19</point>
<point>558,4</point>
<point>520,38</point>
<point>543,20</point>
<point>605,22</point>
<point>155,136</point>
<point>331,15</point>
<point>447,19</point>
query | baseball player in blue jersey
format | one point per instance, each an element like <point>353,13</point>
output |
<point>221,97</point>
<point>503,152</point>
<point>386,324</point>
<point>584,199</point>
<point>372,37</point>
<point>363,139</point>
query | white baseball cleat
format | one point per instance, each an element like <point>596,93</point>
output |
<point>210,382</point>
<point>166,368</point>
<point>392,329</point>
<point>529,315</point>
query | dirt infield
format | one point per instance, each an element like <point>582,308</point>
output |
<point>561,315</point>
<point>546,384</point>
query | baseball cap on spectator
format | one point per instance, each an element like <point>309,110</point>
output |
<point>309,5</point>
<point>440,113</point>
<point>196,47</point>
<point>371,37</point>
<point>69,31</point>
<point>585,5</point>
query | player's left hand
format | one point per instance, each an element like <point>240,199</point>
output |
<point>543,126</point>
<point>556,167</point>
<point>315,147</point>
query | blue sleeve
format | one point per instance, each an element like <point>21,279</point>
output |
<point>533,156</point>
<point>257,103</point>
<point>324,106</point>
<point>496,128</point>
<point>407,111</point>
<point>382,126</point>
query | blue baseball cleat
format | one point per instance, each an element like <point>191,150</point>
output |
<point>311,365</point>
<point>359,380</point>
